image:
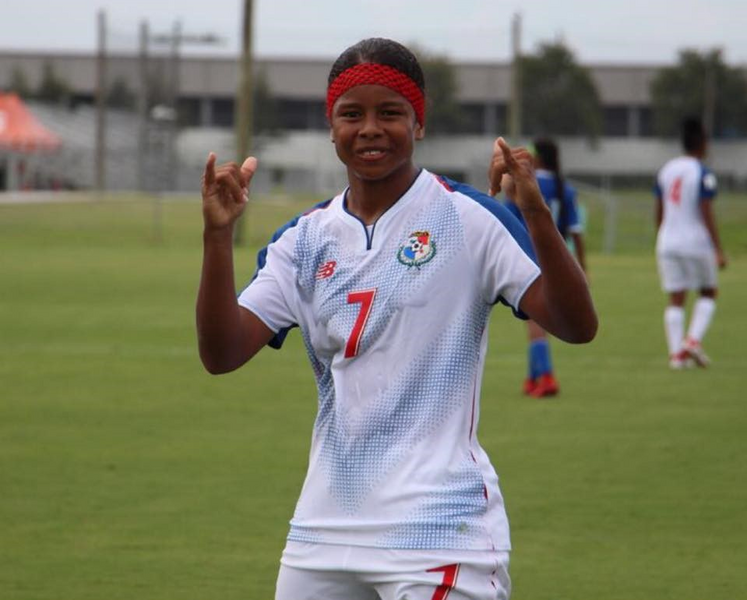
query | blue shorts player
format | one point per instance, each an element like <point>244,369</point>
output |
<point>391,284</point>
<point>561,198</point>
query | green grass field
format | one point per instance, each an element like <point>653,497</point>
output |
<point>128,472</point>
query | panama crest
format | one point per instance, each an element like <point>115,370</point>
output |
<point>418,250</point>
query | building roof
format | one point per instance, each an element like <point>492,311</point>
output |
<point>300,78</point>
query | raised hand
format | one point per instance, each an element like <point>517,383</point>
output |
<point>512,170</point>
<point>225,191</point>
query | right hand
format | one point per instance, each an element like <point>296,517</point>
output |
<point>721,259</point>
<point>512,170</point>
<point>225,191</point>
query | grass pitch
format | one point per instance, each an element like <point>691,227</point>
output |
<point>128,472</point>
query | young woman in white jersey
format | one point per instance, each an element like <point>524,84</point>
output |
<point>688,248</point>
<point>391,283</point>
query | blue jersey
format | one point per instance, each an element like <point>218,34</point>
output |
<point>563,207</point>
<point>394,317</point>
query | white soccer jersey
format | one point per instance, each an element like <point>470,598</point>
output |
<point>681,185</point>
<point>395,324</point>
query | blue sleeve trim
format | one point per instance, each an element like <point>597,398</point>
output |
<point>278,339</point>
<point>514,226</point>
<point>705,192</point>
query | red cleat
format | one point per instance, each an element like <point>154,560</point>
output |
<point>546,386</point>
<point>680,361</point>
<point>694,350</point>
<point>529,385</point>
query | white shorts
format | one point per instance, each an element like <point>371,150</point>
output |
<point>351,572</point>
<point>679,273</point>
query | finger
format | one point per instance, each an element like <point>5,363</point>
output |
<point>494,180</point>
<point>508,157</point>
<point>209,174</point>
<point>231,184</point>
<point>495,170</point>
<point>508,184</point>
<point>248,168</point>
<point>497,145</point>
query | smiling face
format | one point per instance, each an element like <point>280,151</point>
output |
<point>374,130</point>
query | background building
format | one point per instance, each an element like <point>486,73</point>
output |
<point>295,155</point>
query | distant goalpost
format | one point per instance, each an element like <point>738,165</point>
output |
<point>609,203</point>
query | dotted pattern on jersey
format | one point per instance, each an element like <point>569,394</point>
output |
<point>416,404</point>
<point>447,519</point>
<point>358,452</point>
<point>300,533</point>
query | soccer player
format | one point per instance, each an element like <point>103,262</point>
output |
<point>688,249</point>
<point>391,283</point>
<point>561,198</point>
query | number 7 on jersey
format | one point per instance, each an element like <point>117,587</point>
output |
<point>365,298</point>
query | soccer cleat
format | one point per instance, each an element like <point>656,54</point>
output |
<point>694,350</point>
<point>529,385</point>
<point>546,386</point>
<point>680,361</point>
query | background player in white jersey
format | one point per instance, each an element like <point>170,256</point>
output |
<point>561,198</point>
<point>688,249</point>
<point>391,283</point>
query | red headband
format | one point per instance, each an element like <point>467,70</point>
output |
<point>375,74</point>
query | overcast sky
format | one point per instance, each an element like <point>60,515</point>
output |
<point>632,31</point>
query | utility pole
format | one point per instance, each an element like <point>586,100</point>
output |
<point>514,112</point>
<point>100,160</point>
<point>710,91</point>
<point>164,119</point>
<point>160,124</point>
<point>175,65</point>
<point>142,107</point>
<point>244,108</point>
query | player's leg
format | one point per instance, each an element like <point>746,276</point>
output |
<point>532,371</point>
<point>485,578</point>
<point>703,310</point>
<point>541,381</point>
<point>674,327</point>
<point>706,270</point>
<point>308,584</point>
<point>675,281</point>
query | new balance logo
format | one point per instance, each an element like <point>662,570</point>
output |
<point>326,270</point>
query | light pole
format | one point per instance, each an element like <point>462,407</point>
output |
<point>244,108</point>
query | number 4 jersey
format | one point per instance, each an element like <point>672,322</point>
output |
<point>681,185</point>
<point>394,318</point>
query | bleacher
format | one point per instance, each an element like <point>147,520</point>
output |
<point>306,161</point>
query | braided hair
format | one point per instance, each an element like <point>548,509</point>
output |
<point>549,157</point>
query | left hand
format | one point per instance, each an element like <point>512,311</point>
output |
<point>512,169</point>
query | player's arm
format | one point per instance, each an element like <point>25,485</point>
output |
<point>658,212</point>
<point>709,219</point>
<point>575,227</point>
<point>659,206</point>
<point>227,334</point>
<point>559,299</point>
